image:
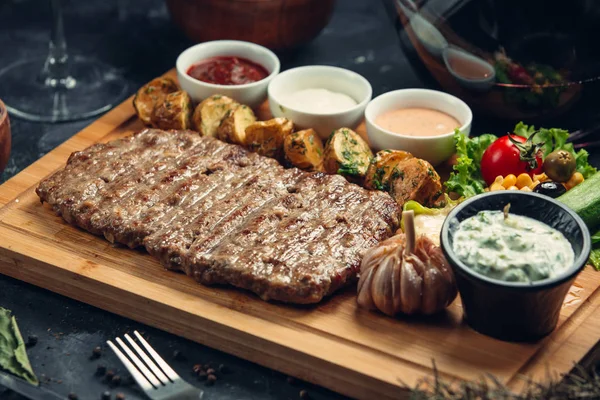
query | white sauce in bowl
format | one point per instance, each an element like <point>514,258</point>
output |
<point>515,249</point>
<point>318,101</point>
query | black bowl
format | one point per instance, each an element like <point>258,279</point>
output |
<point>516,311</point>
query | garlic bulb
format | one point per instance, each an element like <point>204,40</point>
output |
<point>406,275</point>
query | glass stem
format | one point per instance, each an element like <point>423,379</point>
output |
<point>56,68</point>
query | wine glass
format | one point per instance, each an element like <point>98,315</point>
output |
<point>59,87</point>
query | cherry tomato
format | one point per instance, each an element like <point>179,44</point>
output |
<point>504,157</point>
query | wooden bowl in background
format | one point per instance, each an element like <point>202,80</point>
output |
<point>277,24</point>
<point>4,136</point>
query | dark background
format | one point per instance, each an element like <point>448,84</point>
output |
<point>137,37</point>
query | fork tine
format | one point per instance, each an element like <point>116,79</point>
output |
<point>157,372</point>
<point>158,359</point>
<point>139,364</point>
<point>139,378</point>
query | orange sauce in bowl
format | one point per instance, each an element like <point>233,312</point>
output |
<point>417,122</point>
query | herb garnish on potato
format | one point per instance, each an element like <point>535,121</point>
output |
<point>150,95</point>
<point>346,153</point>
<point>304,149</point>
<point>266,137</point>
<point>209,114</point>
<point>174,112</point>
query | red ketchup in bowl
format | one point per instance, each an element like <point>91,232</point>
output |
<point>227,71</point>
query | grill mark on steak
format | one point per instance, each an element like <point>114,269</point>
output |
<point>223,214</point>
<point>286,244</point>
<point>75,204</point>
<point>114,217</point>
<point>171,243</point>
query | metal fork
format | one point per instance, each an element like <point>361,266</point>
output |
<point>156,378</point>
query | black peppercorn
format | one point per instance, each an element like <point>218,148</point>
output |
<point>97,352</point>
<point>101,370</point>
<point>210,380</point>
<point>31,340</point>
<point>197,368</point>
<point>109,374</point>
<point>72,396</point>
<point>116,380</point>
<point>304,394</point>
<point>105,396</point>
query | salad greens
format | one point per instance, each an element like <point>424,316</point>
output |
<point>556,139</point>
<point>13,357</point>
<point>595,254</point>
<point>466,180</point>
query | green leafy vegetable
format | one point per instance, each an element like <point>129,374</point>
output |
<point>13,357</point>
<point>595,254</point>
<point>595,258</point>
<point>556,139</point>
<point>466,180</point>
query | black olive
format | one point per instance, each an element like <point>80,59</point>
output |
<point>550,189</point>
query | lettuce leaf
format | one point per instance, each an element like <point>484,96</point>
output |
<point>13,356</point>
<point>595,254</point>
<point>466,179</point>
<point>556,139</point>
<point>595,258</point>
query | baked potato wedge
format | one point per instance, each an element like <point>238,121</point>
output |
<point>209,114</point>
<point>151,94</point>
<point>266,137</point>
<point>233,127</point>
<point>304,149</point>
<point>173,112</point>
<point>418,181</point>
<point>384,167</point>
<point>346,153</point>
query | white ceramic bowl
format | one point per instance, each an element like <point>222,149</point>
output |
<point>434,149</point>
<point>320,77</point>
<point>251,94</point>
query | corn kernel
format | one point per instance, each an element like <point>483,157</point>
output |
<point>496,186</point>
<point>575,180</point>
<point>509,180</point>
<point>523,180</point>
<point>540,177</point>
<point>499,179</point>
<point>513,188</point>
<point>526,189</point>
<point>534,184</point>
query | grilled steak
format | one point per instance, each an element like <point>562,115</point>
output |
<point>223,215</point>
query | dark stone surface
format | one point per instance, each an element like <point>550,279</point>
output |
<point>137,37</point>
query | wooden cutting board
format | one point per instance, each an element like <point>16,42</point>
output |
<point>358,353</point>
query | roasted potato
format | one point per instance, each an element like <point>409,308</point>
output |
<point>416,180</point>
<point>233,127</point>
<point>174,112</point>
<point>150,95</point>
<point>266,137</point>
<point>209,114</point>
<point>346,153</point>
<point>304,149</point>
<point>383,167</point>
